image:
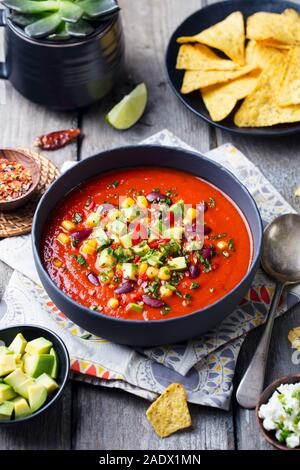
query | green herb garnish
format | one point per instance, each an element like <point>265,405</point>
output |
<point>88,335</point>
<point>80,259</point>
<point>195,285</point>
<point>77,218</point>
<point>231,245</point>
<point>212,202</point>
<point>166,308</point>
<point>216,237</point>
<point>114,184</point>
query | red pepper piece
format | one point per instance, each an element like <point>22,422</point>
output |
<point>155,243</point>
<point>56,140</point>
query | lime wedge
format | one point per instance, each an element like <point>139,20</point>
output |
<point>130,109</point>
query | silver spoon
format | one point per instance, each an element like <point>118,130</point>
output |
<point>280,260</point>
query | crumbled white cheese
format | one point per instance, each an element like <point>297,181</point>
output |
<point>282,414</point>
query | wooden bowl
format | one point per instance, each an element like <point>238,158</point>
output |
<point>31,165</point>
<point>266,394</point>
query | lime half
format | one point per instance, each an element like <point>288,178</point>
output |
<point>130,109</point>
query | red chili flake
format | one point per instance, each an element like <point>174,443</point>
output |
<point>56,140</point>
<point>15,180</point>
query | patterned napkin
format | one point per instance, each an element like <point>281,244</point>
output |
<point>205,366</point>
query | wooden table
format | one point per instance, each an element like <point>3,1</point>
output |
<point>97,418</point>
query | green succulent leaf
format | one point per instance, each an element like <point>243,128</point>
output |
<point>70,11</point>
<point>80,29</point>
<point>60,33</point>
<point>44,27</point>
<point>24,20</point>
<point>31,6</point>
<point>98,7</point>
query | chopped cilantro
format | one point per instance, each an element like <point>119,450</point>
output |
<point>80,259</point>
<point>231,245</point>
<point>114,184</point>
<point>216,237</point>
<point>88,335</point>
<point>195,285</point>
<point>166,308</point>
<point>212,202</point>
<point>156,190</point>
<point>77,218</point>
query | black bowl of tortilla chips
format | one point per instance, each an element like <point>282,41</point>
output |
<point>236,64</point>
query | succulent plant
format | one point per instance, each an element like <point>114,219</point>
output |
<point>59,19</point>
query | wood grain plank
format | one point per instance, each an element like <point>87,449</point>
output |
<point>111,419</point>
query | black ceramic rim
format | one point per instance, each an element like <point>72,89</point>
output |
<point>36,248</point>
<point>63,384</point>
<point>97,34</point>
<point>269,131</point>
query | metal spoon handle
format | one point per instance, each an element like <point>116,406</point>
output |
<point>252,383</point>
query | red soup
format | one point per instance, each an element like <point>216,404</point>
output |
<point>147,244</point>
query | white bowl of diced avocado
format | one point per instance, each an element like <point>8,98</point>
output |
<point>34,367</point>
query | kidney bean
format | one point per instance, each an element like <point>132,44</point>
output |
<point>93,278</point>
<point>194,271</point>
<point>206,252</point>
<point>155,196</point>
<point>207,229</point>
<point>124,288</point>
<point>155,303</point>
<point>82,234</point>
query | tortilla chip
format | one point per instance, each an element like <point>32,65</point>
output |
<point>294,337</point>
<point>200,57</point>
<point>227,36</point>
<point>196,79</point>
<point>274,43</point>
<point>170,413</point>
<point>289,87</point>
<point>297,192</point>
<point>260,55</point>
<point>221,99</point>
<point>260,109</point>
<point>272,26</point>
<point>291,13</point>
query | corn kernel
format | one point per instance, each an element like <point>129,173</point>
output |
<point>165,292</point>
<point>191,213</point>
<point>68,225</point>
<point>89,247</point>
<point>222,245</point>
<point>128,202</point>
<point>164,273</point>
<point>143,268</point>
<point>142,202</point>
<point>113,303</point>
<point>63,238</point>
<point>57,263</point>
<point>152,272</point>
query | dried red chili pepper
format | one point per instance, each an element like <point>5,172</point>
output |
<point>56,140</point>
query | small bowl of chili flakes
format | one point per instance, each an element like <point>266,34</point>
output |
<point>19,177</point>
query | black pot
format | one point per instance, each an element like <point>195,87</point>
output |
<point>63,75</point>
<point>147,333</point>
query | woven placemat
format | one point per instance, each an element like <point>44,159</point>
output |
<point>19,222</point>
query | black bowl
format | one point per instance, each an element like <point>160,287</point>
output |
<point>147,333</point>
<point>31,332</point>
<point>203,19</point>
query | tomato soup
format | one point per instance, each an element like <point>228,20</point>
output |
<point>147,244</point>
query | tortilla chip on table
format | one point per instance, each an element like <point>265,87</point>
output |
<point>220,100</point>
<point>228,36</point>
<point>201,57</point>
<point>264,26</point>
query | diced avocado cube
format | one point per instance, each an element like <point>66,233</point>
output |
<point>47,382</point>
<point>37,395</point>
<point>100,236</point>
<point>18,345</point>
<point>6,410</point>
<point>21,407</point>
<point>104,259</point>
<point>5,350</point>
<point>38,364</point>
<point>126,240</point>
<point>38,346</point>
<point>176,264</point>
<point>16,378</point>
<point>54,372</point>
<point>22,389</point>
<point>177,209</point>
<point>135,307</point>
<point>130,213</point>
<point>93,219</point>
<point>118,227</point>
<point>154,259</point>
<point>7,364</point>
<point>174,232</point>
<point>194,245</point>
<point>6,392</point>
<point>141,249</point>
<point>129,271</point>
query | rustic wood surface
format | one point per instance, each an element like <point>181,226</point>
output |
<point>90,417</point>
